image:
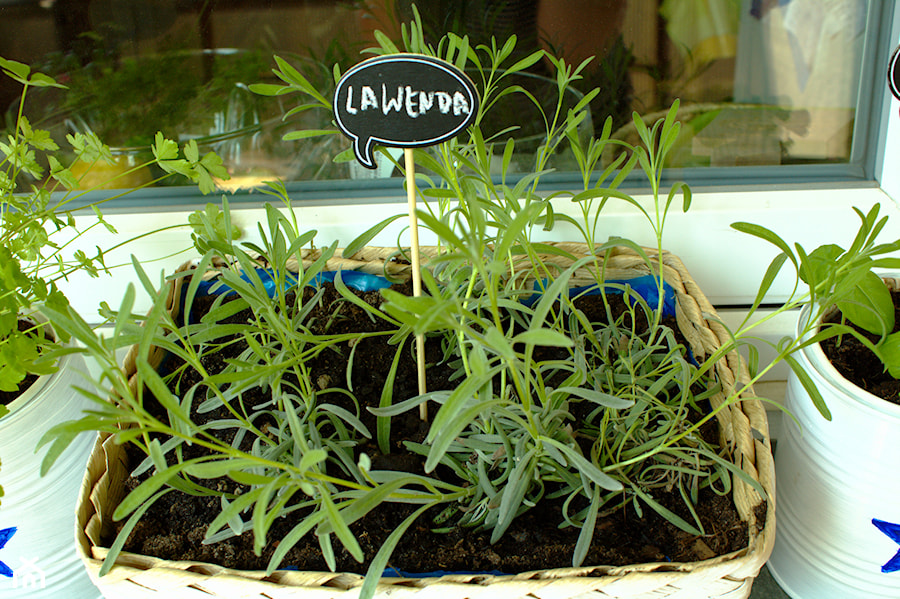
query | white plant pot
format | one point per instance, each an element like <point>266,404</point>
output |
<point>41,552</point>
<point>833,478</point>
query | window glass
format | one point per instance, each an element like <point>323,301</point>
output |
<point>762,83</point>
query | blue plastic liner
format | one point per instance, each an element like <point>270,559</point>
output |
<point>645,286</point>
<point>353,279</point>
<point>395,573</point>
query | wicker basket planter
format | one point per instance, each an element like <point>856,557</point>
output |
<point>743,427</point>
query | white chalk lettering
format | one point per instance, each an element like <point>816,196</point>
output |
<point>460,104</point>
<point>388,103</point>
<point>350,107</point>
<point>369,99</point>
<point>445,101</point>
<point>426,101</point>
<point>411,108</point>
<point>413,102</point>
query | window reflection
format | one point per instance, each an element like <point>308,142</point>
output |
<point>761,82</point>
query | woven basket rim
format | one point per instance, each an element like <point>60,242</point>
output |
<point>743,424</point>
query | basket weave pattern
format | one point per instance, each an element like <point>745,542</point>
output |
<point>743,427</point>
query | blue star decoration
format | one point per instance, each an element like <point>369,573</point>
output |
<point>5,535</point>
<point>893,532</point>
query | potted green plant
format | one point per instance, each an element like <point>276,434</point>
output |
<point>38,370</point>
<point>542,404</point>
<point>837,511</point>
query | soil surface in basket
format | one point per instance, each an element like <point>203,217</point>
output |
<point>175,525</point>
<point>859,365</point>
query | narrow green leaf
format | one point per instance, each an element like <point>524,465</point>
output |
<point>307,133</point>
<point>311,458</point>
<point>292,538</point>
<point>116,548</point>
<point>584,466</point>
<point>125,307</point>
<point>514,493</point>
<point>268,89</point>
<point>258,517</point>
<point>383,422</point>
<point>598,397</point>
<point>341,529</point>
<point>583,544</point>
<point>810,386</point>
<point>161,392</point>
<point>665,512</point>
<point>543,337</point>
<point>366,237</point>
<point>526,62</point>
<point>767,280</point>
<point>406,405</point>
<point>766,235</point>
<point>448,427</point>
<point>217,467</point>
<point>138,497</point>
<point>231,511</point>
<point>380,561</point>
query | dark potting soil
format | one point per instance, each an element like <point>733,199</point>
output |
<point>173,528</point>
<point>7,397</point>
<point>856,363</point>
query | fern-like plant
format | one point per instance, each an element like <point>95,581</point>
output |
<point>37,224</point>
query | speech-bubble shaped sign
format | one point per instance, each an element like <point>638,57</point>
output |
<point>403,101</point>
<point>894,73</point>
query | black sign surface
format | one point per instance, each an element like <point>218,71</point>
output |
<point>894,73</point>
<point>402,101</point>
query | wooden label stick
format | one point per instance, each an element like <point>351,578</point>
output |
<point>404,101</point>
<point>416,269</point>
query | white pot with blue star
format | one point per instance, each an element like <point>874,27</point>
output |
<point>37,514</point>
<point>838,495</point>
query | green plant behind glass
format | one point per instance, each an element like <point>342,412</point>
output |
<point>126,100</point>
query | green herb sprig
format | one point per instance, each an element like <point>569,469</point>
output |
<point>37,226</point>
<point>835,277</point>
<point>30,222</point>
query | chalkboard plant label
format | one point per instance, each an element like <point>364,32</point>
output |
<point>894,73</point>
<point>403,101</point>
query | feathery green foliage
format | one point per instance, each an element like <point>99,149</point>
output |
<point>37,226</point>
